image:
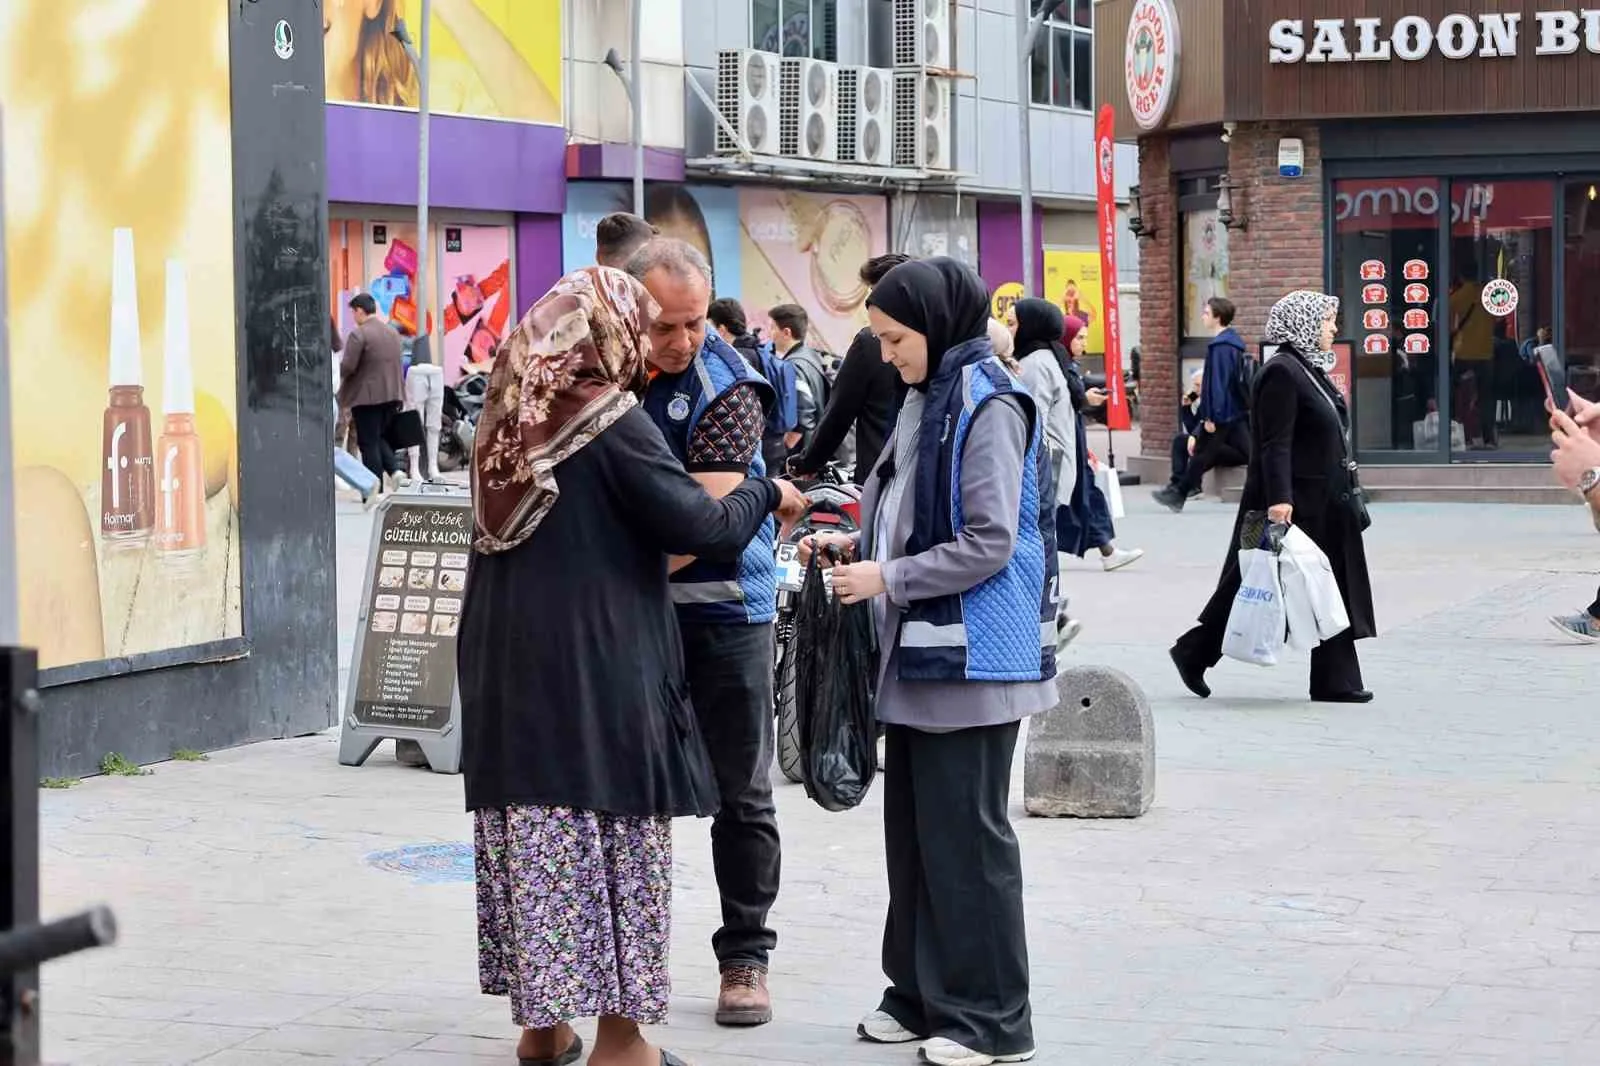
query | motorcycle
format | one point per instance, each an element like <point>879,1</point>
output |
<point>834,506</point>
<point>458,420</point>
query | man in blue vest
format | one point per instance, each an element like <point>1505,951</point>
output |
<point>711,407</point>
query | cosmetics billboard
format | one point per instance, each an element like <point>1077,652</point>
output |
<point>487,58</point>
<point>121,276</point>
<point>766,246</point>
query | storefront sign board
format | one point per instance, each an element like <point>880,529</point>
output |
<point>403,666</point>
<point>1410,38</point>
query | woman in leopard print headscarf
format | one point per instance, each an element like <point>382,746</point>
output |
<point>1301,472</point>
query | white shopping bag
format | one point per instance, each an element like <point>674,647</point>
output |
<point>1110,486</point>
<point>1256,625</point>
<point>1312,603</point>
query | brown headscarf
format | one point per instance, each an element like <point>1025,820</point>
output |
<point>572,367</point>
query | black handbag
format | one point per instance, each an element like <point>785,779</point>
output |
<point>404,431</point>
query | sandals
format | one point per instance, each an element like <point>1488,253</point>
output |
<point>573,1053</point>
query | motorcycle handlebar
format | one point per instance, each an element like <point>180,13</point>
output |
<point>32,946</point>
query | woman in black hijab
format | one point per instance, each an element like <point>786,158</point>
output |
<point>953,689</point>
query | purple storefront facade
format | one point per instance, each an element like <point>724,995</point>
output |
<point>496,193</point>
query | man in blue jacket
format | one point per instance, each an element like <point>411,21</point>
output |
<point>1224,438</point>
<point>711,406</point>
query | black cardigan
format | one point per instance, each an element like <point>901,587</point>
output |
<point>570,664</point>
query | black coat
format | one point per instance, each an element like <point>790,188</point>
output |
<point>866,394</point>
<point>1297,429</point>
<point>570,662</point>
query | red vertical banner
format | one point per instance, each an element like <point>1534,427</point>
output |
<point>1118,415</point>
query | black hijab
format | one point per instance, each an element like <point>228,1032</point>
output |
<point>1040,324</point>
<point>941,299</point>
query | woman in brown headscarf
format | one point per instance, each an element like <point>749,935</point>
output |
<point>578,744</point>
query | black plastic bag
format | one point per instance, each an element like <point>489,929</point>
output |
<point>836,670</point>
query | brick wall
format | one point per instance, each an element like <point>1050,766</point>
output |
<point>1158,300</point>
<point>1282,249</point>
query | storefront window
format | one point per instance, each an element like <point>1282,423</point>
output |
<point>1502,266</point>
<point>1386,271</point>
<point>1580,340</point>
<point>1205,267</point>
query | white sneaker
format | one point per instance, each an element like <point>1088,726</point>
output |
<point>1121,557</point>
<point>1067,630</point>
<point>880,1028</point>
<point>942,1052</point>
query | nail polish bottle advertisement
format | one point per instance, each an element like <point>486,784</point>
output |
<point>179,462</point>
<point>127,474</point>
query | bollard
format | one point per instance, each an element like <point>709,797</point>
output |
<point>1094,755</point>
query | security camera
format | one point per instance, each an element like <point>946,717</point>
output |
<point>1227,131</point>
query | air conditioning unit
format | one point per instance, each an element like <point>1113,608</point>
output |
<point>866,116</point>
<point>747,96</point>
<point>808,109</point>
<point>922,108</point>
<point>922,34</point>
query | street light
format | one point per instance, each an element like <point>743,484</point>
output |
<point>631,86</point>
<point>1029,24</point>
<point>419,62</point>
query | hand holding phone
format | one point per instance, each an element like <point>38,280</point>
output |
<point>1553,375</point>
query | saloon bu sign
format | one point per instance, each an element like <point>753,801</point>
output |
<point>1415,37</point>
<point>1151,62</point>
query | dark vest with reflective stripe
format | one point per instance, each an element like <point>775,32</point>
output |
<point>1004,628</point>
<point>744,590</point>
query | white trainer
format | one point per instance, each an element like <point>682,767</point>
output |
<point>880,1028</point>
<point>1121,557</point>
<point>942,1052</point>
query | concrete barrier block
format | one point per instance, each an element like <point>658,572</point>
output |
<point>1094,755</point>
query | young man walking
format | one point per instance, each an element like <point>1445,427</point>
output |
<point>1224,438</point>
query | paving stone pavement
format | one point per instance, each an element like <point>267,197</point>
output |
<point>1412,882</point>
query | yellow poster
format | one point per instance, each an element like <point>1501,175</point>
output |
<point>1072,283</point>
<point>488,58</point>
<point>119,259</point>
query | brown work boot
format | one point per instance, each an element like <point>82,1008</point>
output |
<point>744,999</point>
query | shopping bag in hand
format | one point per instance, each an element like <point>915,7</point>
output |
<point>836,669</point>
<point>1257,624</point>
<point>1110,486</point>
<point>1311,598</point>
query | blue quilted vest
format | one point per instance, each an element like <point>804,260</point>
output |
<point>745,590</point>
<point>1003,629</point>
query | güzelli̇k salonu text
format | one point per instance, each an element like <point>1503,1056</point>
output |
<point>1413,37</point>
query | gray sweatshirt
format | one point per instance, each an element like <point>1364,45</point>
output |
<point>1048,386</point>
<point>991,497</point>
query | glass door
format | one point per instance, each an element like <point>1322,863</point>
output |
<point>1386,262</point>
<point>1501,295</point>
<point>1580,335</point>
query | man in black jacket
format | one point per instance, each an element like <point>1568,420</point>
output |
<point>866,394</point>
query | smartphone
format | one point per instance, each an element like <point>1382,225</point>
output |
<point>1553,375</point>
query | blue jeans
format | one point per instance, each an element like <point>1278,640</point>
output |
<point>354,473</point>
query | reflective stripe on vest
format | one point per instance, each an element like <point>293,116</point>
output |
<point>914,634</point>
<point>709,592</point>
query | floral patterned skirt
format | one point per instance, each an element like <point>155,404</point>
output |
<point>574,913</point>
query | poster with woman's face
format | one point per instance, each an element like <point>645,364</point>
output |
<point>1205,268</point>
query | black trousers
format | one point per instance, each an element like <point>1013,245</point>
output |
<point>1228,446</point>
<point>955,949</point>
<point>1335,666</point>
<point>1180,457</point>
<point>730,685</point>
<point>1484,391</point>
<point>1594,608</point>
<point>372,422</point>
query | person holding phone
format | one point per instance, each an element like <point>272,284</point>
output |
<point>1300,471</point>
<point>1576,461</point>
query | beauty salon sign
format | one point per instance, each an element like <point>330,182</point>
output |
<point>1414,37</point>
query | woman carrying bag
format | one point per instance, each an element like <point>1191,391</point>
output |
<point>1301,472</point>
<point>958,560</point>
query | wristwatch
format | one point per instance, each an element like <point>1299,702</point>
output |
<point>1589,481</point>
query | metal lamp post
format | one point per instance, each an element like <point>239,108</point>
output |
<point>1029,24</point>
<point>418,54</point>
<point>631,84</point>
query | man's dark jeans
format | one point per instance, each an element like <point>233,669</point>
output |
<point>372,422</point>
<point>1228,446</point>
<point>730,685</point>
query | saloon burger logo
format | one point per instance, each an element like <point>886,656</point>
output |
<point>1150,62</point>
